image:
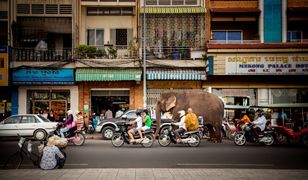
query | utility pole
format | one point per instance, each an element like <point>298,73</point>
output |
<point>144,59</point>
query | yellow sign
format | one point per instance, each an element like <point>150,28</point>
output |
<point>3,67</point>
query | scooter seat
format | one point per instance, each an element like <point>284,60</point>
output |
<point>191,132</point>
<point>148,131</point>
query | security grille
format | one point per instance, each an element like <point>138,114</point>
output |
<point>52,9</point>
<point>153,96</point>
<point>37,8</point>
<point>65,9</point>
<point>3,15</point>
<point>23,8</point>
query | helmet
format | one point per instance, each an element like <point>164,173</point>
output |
<point>69,112</point>
<point>260,110</point>
<point>181,113</point>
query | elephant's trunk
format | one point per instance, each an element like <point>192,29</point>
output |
<point>158,119</point>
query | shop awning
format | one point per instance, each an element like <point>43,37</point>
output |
<point>175,74</point>
<point>95,74</point>
<point>172,10</point>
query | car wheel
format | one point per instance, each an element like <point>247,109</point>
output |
<point>40,134</point>
<point>107,132</point>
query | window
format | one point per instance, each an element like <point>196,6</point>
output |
<point>280,96</point>
<point>95,37</point>
<point>131,115</point>
<point>28,119</point>
<point>227,36</point>
<point>121,37</point>
<point>12,120</point>
<point>294,36</point>
<point>43,118</point>
<point>114,11</point>
<point>171,2</point>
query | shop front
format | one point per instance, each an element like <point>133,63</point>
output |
<point>109,89</point>
<point>45,89</point>
<point>160,80</point>
<point>275,82</point>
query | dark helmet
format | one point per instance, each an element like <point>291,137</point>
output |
<point>138,112</point>
<point>260,110</point>
<point>146,111</point>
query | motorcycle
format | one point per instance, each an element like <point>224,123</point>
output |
<point>121,136</point>
<point>285,134</point>
<point>247,134</point>
<point>72,135</point>
<point>192,138</point>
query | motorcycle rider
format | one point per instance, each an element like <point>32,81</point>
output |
<point>133,131</point>
<point>259,122</point>
<point>147,124</point>
<point>68,123</point>
<point>181,124</point>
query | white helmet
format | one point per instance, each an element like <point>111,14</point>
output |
<point>181,113</point>
<point>69,112</point>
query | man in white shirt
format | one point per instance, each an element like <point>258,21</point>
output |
<point>259,122</point>
<point>119,113</point>
<point>133,131</point>
<point>182,126</point>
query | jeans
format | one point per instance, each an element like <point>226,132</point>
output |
<point>63,130</point>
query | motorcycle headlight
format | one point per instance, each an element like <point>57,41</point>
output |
<point>117,129</point>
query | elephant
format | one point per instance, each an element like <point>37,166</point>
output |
<point>203,103</point>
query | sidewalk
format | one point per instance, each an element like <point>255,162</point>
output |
<point>154,174</point>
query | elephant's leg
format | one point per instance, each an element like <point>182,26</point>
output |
<point>218,133</point>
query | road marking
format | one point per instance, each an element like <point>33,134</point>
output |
<point>209,164</point>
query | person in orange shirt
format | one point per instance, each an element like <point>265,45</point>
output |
<point>245,119</point>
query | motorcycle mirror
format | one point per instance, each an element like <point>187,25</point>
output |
<point>124,117</point>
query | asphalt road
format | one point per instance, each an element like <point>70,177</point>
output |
<point>101,154</point>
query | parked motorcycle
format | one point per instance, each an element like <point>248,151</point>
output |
<point>192,138</point>
<point>121,136</point>
<point>291,137</point>
<point>248,134</point>
<point>72,135</point>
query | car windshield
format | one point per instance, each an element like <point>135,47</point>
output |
<point>43,118</point>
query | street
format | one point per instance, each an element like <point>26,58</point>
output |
<point>101,154</point>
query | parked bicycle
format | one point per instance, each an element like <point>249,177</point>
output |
<point>24,150</point>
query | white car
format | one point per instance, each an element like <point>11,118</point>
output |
<point>33,125</point>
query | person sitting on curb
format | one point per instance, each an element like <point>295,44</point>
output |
<point>52,156</point>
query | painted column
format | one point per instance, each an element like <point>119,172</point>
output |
<point>261,21</point>
<point>284,21</point>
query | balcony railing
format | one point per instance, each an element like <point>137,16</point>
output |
<point>27,54</point>
<point>234,41</point>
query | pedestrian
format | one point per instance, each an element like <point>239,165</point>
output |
<point>79,121</point>
<point>51,116</point>
<point>108,114</point>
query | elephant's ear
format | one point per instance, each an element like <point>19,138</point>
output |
<point>170,103</point>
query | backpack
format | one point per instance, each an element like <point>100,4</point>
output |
<point>191,122</point>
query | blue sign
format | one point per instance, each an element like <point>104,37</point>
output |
<point>3,49</point>
<point>43,76</point>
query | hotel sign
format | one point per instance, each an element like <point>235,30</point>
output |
<point>266,65</point>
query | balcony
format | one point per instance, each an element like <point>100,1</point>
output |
<point>108,2</point>
<point>234,41</point>
<point>32,55</point>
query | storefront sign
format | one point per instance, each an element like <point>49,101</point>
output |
<point>3,66</point>
<point>258,65</point>
<point>43,76</point>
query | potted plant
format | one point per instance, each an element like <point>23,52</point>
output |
<point>112,52</point>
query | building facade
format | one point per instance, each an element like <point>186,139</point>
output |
<point>257,53</point>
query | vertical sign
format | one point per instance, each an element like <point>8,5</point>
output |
<point>3,66</point>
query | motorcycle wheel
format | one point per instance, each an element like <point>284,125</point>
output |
<point>197,142</point>
<point>239,139</point>
<point>150,138</point>
<point>164,140</point>
<point>79,139</point>
<point>117,140</point>
<point>305,140</point>
<point>272,140</point>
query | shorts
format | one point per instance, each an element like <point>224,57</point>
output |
<point>145,128</point>
<point>135,130</point>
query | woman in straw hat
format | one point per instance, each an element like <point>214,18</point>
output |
<point>52,156</point>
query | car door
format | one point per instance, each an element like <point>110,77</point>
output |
<point>9,126</point>
<point>28,124</point>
